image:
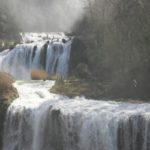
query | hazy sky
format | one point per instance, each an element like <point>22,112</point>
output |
<point>45,15</point>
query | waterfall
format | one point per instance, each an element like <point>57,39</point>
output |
<point>40,120</point>
<point>46,51</point>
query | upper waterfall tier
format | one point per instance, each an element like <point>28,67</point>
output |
<point>50,52</point>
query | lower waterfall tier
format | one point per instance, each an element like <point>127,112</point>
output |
<point>39,120</point>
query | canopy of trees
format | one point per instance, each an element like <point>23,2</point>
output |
<point>117,36</point>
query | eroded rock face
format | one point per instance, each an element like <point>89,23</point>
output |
<point>7,94</point>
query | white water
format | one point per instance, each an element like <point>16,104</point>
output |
<point>39,120</point>
<point>36,53</point>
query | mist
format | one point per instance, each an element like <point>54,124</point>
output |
<point>45,15</point>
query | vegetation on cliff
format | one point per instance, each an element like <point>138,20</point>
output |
<point>7,94</point>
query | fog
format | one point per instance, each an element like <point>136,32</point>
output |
<point>45,15</point>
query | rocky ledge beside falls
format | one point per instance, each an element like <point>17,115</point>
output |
<point>7,94</point>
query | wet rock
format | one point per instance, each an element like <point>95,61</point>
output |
<point>43,55</point>
<point>64,40</point>
<point>34,51</point>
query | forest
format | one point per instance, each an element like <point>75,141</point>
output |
<point>117,39</point>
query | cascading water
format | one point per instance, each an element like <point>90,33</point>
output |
<point>39,120</point>
<point>50,52</point>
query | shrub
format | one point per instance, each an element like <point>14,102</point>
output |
<point>7,94</point>
<point>6,81</point>
<point>39,75</point>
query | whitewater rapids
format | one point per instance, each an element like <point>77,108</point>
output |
<point>40,120</point>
